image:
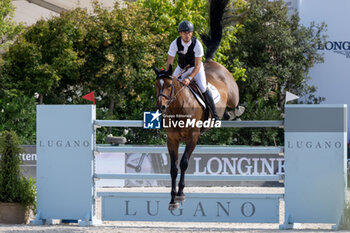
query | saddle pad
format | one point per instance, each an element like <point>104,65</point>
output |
<point>214,92</point>
<point>200,100</point>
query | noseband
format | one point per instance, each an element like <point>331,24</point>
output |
<point>172,95</point>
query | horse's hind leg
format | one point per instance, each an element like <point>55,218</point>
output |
<point>173,152</point>
<point>180,196</point>
<point>231,115</point>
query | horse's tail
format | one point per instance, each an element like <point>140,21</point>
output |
<point>212,39</point>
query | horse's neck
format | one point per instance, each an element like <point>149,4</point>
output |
<point>182,95</point>
<point>177,85</point>
<point>185,103</point>
<point>179,92</point>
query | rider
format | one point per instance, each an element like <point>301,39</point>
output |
<point>190,52</point>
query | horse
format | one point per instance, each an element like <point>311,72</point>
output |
<point>176,101</point>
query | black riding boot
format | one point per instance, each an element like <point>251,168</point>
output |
<point>210,102</point>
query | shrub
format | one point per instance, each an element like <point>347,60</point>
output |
<point>14,188</point>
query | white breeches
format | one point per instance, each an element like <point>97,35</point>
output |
<point>200,78</point>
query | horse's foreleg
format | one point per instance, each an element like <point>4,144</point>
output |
<point>173,174</point>
<point>173,152</point>
<point>180,196</point>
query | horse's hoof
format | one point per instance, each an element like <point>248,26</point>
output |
<point>180,198</point>
<point>229,116</point>
<point>173,206</point>
<point>235,114</point>
<point>239,111</point>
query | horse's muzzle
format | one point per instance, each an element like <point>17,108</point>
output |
<point>160,108</point>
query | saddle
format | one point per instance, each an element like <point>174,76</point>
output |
<point>201,100</point>
<point>199,96</point>
<point>228,115</point>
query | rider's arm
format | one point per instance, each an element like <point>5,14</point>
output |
<point>171,54</point>
<point>170,61</point>
<point>197,66</point>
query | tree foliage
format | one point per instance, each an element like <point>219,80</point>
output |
<point>17,114</point>
<point>8,28</point>
<point>112,52</point>
<point>277,53</point>
<point>168,14</point>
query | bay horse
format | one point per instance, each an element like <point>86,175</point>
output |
<point>177,101</point>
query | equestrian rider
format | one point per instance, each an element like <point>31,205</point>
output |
<point>190,52</point>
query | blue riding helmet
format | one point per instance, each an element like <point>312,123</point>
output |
<point>185,26</point>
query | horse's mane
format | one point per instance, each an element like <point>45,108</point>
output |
<point>212,39</point>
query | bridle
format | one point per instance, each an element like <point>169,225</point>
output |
<point>172,97</point>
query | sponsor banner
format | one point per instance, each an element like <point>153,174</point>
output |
<point>199,164</point>
<point>208,207</point>
<point>206,164</point>
<point>110,163</point>
<point>107,163</point>
<point>28,157</point>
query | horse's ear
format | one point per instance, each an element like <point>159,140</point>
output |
<point>170,70</point>
<point>156,70</point>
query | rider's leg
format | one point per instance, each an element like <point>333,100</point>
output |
<point>184,75</point>
<point>177,71</point>
<point>210,101</point>
<point>202,84</point>
<point>201,80</point>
